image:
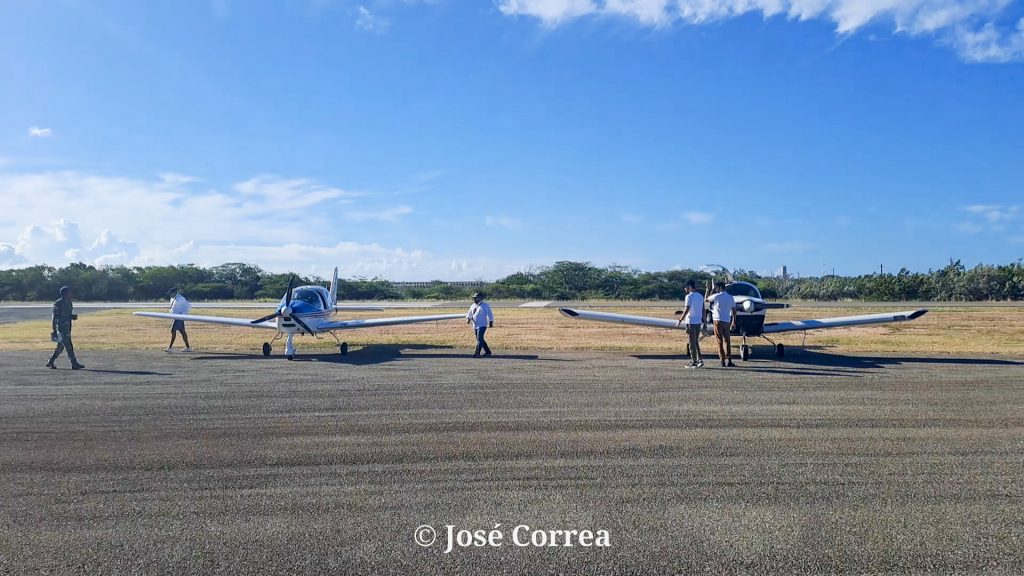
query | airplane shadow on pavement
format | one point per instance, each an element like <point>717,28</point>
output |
<point>367,355</point>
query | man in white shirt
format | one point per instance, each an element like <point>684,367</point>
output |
<point>179,305</point>
<point>722,304</point>
<point>693,315</point>
<point>481,317</point>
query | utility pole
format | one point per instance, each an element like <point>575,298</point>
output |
<point>881,269</point>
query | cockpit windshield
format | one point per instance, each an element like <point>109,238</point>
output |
<point>743,289</point>
<point>307,295</point>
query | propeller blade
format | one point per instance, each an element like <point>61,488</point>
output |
<point>288,296</point>
<point>303,324</point>
<point>265,318</point>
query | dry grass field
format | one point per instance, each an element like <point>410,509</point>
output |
<point>995,330</point>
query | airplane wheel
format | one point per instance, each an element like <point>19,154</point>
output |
<point>343,348</point>
<point>266,348</point>
<point>745,352</point>
<point>291,357</point>
<point>780,350</point>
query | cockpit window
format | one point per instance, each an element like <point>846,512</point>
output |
<point>311,297</point>
<point>743,289</point>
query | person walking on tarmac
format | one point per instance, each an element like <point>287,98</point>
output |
<point>481,317</point>
<point>63,316</point>
<point>179,305</point>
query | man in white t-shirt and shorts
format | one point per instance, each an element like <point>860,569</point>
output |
<point>179,305</point>
<point>693,315</point>
<point>724,317</point>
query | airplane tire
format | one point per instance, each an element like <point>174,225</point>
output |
<point>343,348</point>
<point>266,348</point>
<point>745,352</point>
<point>291,357</point>
<point>780,350</point>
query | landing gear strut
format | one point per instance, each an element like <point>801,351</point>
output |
<point>744,349</point>
<point>289,347</point>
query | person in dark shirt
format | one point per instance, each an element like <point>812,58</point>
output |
<point>63,316</point>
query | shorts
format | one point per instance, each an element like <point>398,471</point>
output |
<point>178,325</point>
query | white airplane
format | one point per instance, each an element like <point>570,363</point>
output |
<point>750,317</point>
<point>306,310</point>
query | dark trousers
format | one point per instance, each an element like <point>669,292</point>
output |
<point>481,344</point>
<point>693,331</point>
<point>64,343</point>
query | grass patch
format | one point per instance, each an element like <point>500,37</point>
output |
<point>946,330</point>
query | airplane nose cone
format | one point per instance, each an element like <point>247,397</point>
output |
<point>286,311</point>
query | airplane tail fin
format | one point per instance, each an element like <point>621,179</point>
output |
<point>334,288</point>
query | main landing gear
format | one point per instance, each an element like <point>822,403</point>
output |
<point>289,346</point>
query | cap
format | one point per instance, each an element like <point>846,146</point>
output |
<point>64,290</point>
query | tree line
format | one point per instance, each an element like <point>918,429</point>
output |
<point>564,280</point>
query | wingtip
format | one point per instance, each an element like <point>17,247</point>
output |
<point>569,312</point>
<point>917,314</point>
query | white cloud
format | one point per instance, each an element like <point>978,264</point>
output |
<point>991,218</point>
<point>994,213</point>
<point>279,224</point>
<point>697,218</point>
<point>371,22</point>
<point>631,218</point>
<point>9,256</point>
<point>507,222</point>
<point>968,25</point>
<point>37,132</point>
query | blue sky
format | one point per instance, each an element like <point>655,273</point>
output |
<point>461,140</point>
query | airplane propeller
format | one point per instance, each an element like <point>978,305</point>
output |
<point>285,311</point>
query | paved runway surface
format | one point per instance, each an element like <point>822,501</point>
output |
<point>148,463</point>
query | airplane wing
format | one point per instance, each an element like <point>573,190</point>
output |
<point>621,318</point>
<point>357,307</point>
<point>270,324</point>
<point>795,325</point>
<point>374,322</point>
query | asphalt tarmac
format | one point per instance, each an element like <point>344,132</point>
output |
<point>154,463</point>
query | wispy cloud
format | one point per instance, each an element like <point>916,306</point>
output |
<point>507,222</point>
<point>371,22</point>
<point>631,218</point>
<point>60,217</point>
<point>990,218</point>
<point>970,26</point>
<point>391,214</point>
<point>37,132</point>
<point>698,218</point>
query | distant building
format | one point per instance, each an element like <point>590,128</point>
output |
<point>433,283</point>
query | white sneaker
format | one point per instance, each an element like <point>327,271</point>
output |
<point>168,350</point>
<point>186,349</point>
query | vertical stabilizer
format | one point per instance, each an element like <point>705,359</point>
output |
<point>334,288</point>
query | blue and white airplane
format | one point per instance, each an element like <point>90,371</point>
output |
<point>750,317</point>
<point>306,310</point>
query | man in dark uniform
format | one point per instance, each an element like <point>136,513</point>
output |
<point>63,315</point>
